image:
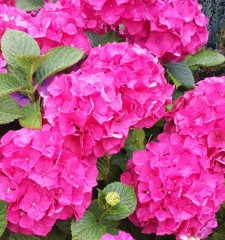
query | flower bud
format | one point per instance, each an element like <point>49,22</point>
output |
<point>112,198</point>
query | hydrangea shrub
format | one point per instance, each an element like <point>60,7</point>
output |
<point>104,132</point>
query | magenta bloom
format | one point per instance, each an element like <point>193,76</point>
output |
<point>55,26</point>
<point>121,236</point>
<point>42,181</point>
<point>120,86</point>
<point>200,114</point>
<point>176,194</point>
<point>170,29</point>
<point>138,77</point>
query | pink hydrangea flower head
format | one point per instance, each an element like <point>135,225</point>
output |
<point>88,110</point>
<point>139,78</point>
<point>121,236</point>
<point>169,29</point>
<point>175,195</point>
<point>200,114</point>
<point>54,26</point>
<point>13,18</point>
<point>42,181</point>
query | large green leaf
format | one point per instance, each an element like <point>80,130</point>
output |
<point>32,116</point>
<point>29,5</point>
<point>9,110</point>
<point>20,73</point>
<point>9,84</point>
<point>16,42</point>
<point>87,228</point>
<point>3,221</point>
<point>60,58</point>
<point>127,203</point>
<point>205,58</point>
<point>30,63</point>
<point>182,73</point>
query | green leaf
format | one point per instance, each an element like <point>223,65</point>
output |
<point>64,226</point>
<point>9,84</point>
<point>87,228</point>
<point>19,73</point>
<point>205,58</point>
<point>3,221</point>
<point>111,226</point>
<point>127,203</point>
<point>110,37</point>
<point>94,38</point>
<point>32,116</point>
<point>103,166</point>
<point>135,140</point>
<point>9,110</point>
<point>16,42</point>
<point>30,63</point>
<point>14,236</point>
<point>29,5</point>
<point>55,234</point>
<point>120,160</point>
<point>27,60</point>
<point>60,58</point>
<point>182,73</point>
<point>220,234</point>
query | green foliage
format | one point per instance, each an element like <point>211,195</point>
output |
<point>87,228</point>
<point>135,140</point>
<point>32,116</point>
<point>124,208</point>
<point>3,221</point>
<point>14,236</point>
<point>180,74</point>
<point>94,38</point>
<point>111,226</point>
<point>205,58</point>
<point>60,58</point>
<point>29,5</point>
<point>24,60</point>
<point>9,84</point>
<point>55,234</point>
<point>103,166</point>
<point>64,226</point>
<point>215,11</point>
<point>30,63</point>
<point>110,37</point>
<point>15,43</point>
<point>9,110</point>
<point>97,39</point>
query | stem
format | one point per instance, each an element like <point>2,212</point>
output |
<point>103,214</point>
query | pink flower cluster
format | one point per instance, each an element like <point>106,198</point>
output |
<point>121,86</point>
<point>8,2</point>
<point>42,180</point>
<point>170,29</point>
<point>137,76</point>
<point>12,18</point>
<point>200,114</point>
<point>121,236</point>
<point>176,194</point>
<point>55,26</point>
